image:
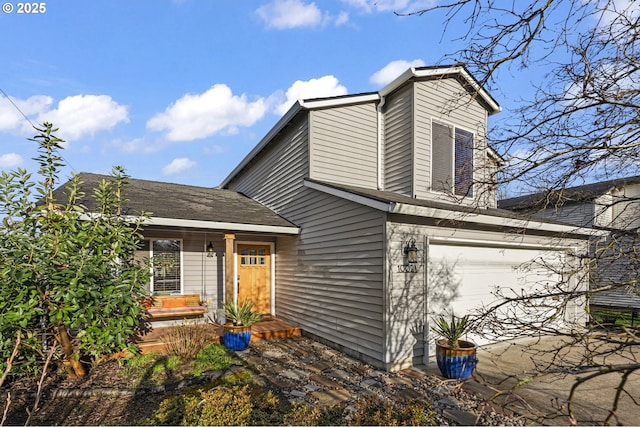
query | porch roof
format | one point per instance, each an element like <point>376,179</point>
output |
<point>187,206</point>
<point>405,205</point>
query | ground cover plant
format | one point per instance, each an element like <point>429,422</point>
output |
<point>245,404</point>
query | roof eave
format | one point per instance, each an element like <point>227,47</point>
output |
<point>419,72</point>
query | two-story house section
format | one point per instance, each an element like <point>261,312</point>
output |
<point>394,198</point>
<point>358,218</point>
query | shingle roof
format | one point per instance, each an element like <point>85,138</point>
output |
<point>176,201</point>
<point>581,193</point>
<point>391,197</point>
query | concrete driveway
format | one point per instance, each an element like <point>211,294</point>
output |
<point>542,399</point>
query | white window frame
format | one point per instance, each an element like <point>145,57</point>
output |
<point>453,159</point>
<point>151,277</point>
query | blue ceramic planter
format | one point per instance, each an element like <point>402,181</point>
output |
<point>236,338</point>
<point>456,363</point>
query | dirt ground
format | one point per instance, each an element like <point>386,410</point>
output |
<point>82,408</point>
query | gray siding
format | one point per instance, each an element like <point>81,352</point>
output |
<point>445,101</point>
<point>200,274</point>
<point>579,214</point>
<point>345,147</point>
<point>398,137</point>
<point>329,278</point>
<point>275,177</point>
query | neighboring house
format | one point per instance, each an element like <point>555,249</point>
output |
<point>613,208</point>
<point>371,214</point>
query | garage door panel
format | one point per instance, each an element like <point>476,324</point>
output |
<point>474,273</point>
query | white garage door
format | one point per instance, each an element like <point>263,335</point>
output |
<point>461,278</point>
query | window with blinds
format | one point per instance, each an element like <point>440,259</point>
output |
<point>452,160</point>
<point>167,269</point>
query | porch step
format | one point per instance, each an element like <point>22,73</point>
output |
<point>264,330</point>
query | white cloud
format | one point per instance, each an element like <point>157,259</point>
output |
<point>12,120</point>
<point>400,6</point>
<point>137,145</point>
<point>10,160</point>
<point>315,88</point>
<point>76,116</point>
<point>392,70</point>
<point>342,18</point>
<point>286,14</point>
<point>178,165</point>
<point>202,115</point>
<point>81,115</point>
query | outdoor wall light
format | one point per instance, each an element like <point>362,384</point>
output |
<point>410,264</point>
<point>210,250</point>
<point>411,252</point>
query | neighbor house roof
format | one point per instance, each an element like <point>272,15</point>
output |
<point>399,204</point>
<point>457,71</point>
<point>581,193</point>
<point>187,206</point>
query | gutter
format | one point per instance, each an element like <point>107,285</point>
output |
<point>380,141</point>
<point>208,225</point>
<point>528,224</point>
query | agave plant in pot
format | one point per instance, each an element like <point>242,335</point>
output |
<point>236,332</point>
<point>456,358</point>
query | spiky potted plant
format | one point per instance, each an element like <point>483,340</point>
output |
<point>456,358</point>
<point>236,332</point>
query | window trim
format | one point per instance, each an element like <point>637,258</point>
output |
<point>151,276</point>
<point>452,189</point>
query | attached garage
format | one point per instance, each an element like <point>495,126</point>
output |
<point>476,272</point>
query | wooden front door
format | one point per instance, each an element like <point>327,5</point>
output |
<point>254,276</point>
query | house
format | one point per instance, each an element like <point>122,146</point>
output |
<point>360,217</point>
<point>613,207</point>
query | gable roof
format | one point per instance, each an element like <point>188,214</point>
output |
<point>581,193</point>
<point>187,206</point>
<point>457,71</point>
<point>400,204</point>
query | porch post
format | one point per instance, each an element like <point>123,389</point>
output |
<point>229,271</point>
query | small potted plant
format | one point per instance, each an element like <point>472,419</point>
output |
<point>456,358</point>
<point>236,332</point>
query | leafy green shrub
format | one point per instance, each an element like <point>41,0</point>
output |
<point>186,340</point>
<point>150,369</point>
<point>216,407</point>
<point>373,410</point>
<point>250,405</point>
<point>211,358</point>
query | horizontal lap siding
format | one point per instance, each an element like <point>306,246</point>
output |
<point>446,102</point>
<point>398,136</point>
<point>201,274</point>
<point>329,278</point>
<point>274,179</point>
<point>344,148</point>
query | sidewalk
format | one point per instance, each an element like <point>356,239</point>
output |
<point>542,400</point>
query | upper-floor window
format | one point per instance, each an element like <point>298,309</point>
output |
<point>452,160</point>
<point>166,263</point>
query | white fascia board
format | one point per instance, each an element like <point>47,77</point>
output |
<point>208,225</point>
<point>432,72</point>
<point>478,218</point>
<point>211,225</point>
<point>337,102</point>
<point>366,201</point>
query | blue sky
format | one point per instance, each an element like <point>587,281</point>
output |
<point>182,90</point>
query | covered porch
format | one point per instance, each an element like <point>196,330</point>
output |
<point>270,328</point>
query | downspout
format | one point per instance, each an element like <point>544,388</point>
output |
<point>380,141</point>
